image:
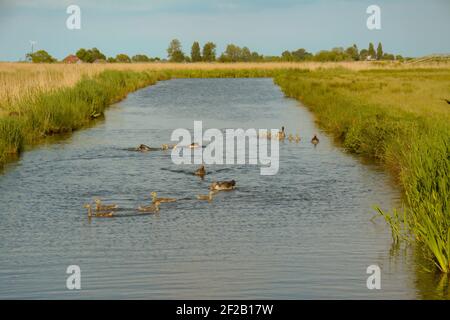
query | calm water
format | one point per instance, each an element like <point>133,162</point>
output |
<point>303,233</point>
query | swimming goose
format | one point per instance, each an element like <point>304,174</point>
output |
<point>154,207</point>
<point>143,148</point>
<point>208,197</point>
<point>315,140</point>
<point>281,134</point>
<point>99,214</point>
<point>161,200</point>
<point>194,145</point>
<point>200,171</point>
<point>100,207</point>
<point>222,185</point>
<point>297,138</point>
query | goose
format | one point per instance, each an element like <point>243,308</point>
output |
<point>160,200</point>
<point>281,134</point>
<point>297,138</point>
<point>154,207</point>
<point>143,147</point>
<point>315,140</point>
<point>194,145</point>
<point>200,171</point>
<point>223,185</point>
<point>446,100</point>
<point>208,197</point>
<point>100,207</point>
<point>99,214</point>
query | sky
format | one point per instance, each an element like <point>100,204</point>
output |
<point>408,27</point>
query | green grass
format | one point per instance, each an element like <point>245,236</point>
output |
<point>357,108</point>
<point>67,109</point>
<point>395,116</point>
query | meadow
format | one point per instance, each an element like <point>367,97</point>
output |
<point>392,112</point>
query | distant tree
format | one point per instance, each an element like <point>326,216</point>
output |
<point>140,58</point>
<point>246,55</point>
<point>353,52</point>
<point>111,60</point>
<point>388,56</point>
<point>122,57</point>
<point>232,53</point>
<point>363,54</point>
<point>209,52</point>
<point>40,56</point>
<point>90,55</point>
<point>379,51</point>
<point>371,51</point>
<point>195,52</point>
<point>399,57</point>
<point>174,52</point>
<point>286,56</point>
<point>256,57</point>
<point>300,54</point>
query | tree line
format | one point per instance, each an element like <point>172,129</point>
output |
<point>232,53</point>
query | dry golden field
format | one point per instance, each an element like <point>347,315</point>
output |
<point>22,80</point>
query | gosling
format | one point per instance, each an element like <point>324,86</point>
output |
<point>208,197</point>
<point>160,200</point>
<point>99,214</point>
<point>100,207</point>
<point>154,207</point>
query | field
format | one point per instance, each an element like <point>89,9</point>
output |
<point>392,112</point>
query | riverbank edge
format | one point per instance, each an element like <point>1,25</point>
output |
<point>413,148</point>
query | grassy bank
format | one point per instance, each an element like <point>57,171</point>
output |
<point>66,109</point>
<point>399,118</point>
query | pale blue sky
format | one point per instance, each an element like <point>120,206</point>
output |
<point>409,27</point>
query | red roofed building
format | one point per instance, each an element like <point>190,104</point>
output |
<point>71,59</point>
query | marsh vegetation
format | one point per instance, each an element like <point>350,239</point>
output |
<point>388,111</point>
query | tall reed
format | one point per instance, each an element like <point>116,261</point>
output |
<point>415,146</point>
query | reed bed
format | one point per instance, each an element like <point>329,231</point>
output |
<point>363,111</point>
<point>19,80</point>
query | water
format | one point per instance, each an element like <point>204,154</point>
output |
<point>303,233</point>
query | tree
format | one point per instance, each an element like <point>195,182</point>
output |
<point>209,52</point>
<point>246,54</point>
<point>363,54</point>
<point>111,60</point>
<point>379,51</point>
<point>140,58</point>
<point>195,52</point>
<point>90,55</point>
<point>300,54</point>
<point>232,53</point>
<point>174,52</point>
<point>40,56</point>
<point>371,51</point>
<point>122,57</point>
<point>353,52</point>
<point>286,56</point>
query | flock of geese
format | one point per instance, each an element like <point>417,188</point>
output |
<point>108,211</point>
